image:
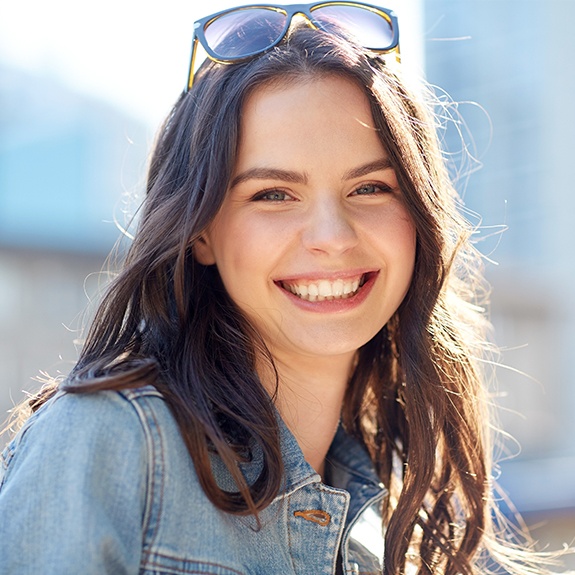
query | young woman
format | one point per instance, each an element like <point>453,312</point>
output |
<point>285,376</point>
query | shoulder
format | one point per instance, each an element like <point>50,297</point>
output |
<point>84,430</point>
<point>78,481</point>
<point>67,409</point>
<point>102,411</point>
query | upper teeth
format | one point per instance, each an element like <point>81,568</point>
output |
<point>324,289</point>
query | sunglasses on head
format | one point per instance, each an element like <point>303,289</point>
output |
<point>241,33</point>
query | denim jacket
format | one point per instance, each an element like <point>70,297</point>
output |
<point>103,483</point>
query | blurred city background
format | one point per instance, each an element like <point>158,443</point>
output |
<point>83,89</point>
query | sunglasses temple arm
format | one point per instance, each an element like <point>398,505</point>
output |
<point>192,63</point>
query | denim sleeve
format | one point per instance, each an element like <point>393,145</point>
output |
<point>73,489</point>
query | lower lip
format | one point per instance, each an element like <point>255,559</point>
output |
<point>334,305</point>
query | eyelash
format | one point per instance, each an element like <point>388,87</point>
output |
<point>379,189</point>
<point>265,194</point>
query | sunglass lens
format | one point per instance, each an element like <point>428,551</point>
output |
<point>241,33</point>
<point>370,29</point>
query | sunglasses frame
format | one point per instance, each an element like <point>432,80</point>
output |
<point>290,10</point>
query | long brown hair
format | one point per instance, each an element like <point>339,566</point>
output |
<point>415,399</point>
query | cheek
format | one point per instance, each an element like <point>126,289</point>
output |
<point>243,252</point>
<point>399,240</point>
<point>253,240</point>
<point>407,238</point>
<point>394,231</point>
<point>403,264</point>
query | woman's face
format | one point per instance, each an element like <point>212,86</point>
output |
<point>313,241</point>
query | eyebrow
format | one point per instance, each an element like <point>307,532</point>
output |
<point>302,178</point>
<point>369,168</point>
<point>270,174</point>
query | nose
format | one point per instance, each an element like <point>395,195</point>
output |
<point>329,229</point>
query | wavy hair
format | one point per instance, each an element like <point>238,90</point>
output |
<point>416,398</point>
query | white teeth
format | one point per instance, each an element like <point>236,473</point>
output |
<point>325,289</point>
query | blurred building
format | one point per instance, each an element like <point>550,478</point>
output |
<point>67,166</point>
<point>513,59</point>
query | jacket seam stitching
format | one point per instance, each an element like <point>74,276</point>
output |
<point>155,450</point>
<point>289,519</point>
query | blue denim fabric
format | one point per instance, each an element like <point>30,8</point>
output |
<point>103,483</point>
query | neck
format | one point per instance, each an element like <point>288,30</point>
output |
<point>309,398</point>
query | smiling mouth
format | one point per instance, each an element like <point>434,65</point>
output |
<point>324,290</point>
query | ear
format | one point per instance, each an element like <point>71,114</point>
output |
<point>203,251</point>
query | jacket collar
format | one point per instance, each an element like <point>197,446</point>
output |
<point>348,466</point>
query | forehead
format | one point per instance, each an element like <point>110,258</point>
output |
<point>306,120</point>
<point>298,94</point>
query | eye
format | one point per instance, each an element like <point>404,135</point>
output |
<point>371,189</point>
<point>272,196</point>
